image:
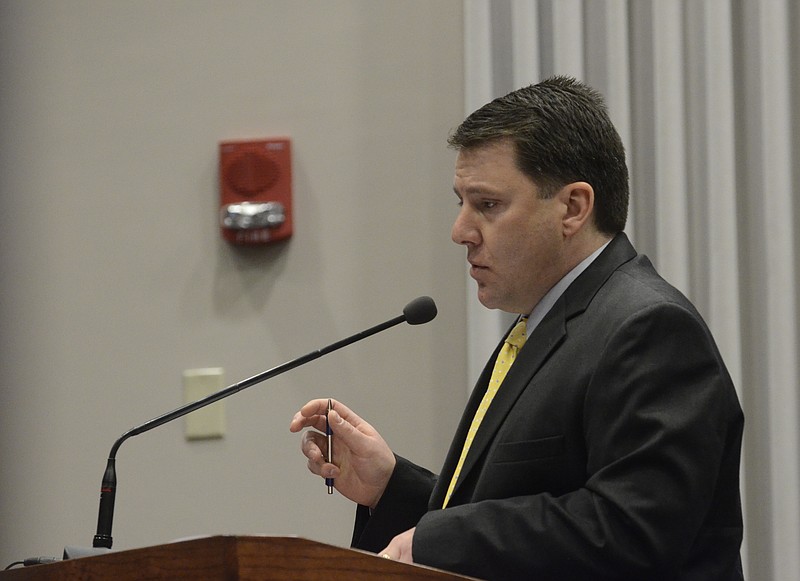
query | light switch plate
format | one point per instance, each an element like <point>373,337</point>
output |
<point>208,422</point>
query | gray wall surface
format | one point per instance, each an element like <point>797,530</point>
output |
<point>115,279</point>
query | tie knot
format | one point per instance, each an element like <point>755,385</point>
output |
<point>518,334</point>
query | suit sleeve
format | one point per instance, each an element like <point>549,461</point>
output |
<point>400,508</point>
<point>659,419</point>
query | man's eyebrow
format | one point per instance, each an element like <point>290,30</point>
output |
<point>476,190</point>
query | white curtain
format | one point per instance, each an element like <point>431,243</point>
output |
<point>702,93</point>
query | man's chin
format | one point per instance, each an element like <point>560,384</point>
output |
<point>487,300</point>
<point>495,303</point>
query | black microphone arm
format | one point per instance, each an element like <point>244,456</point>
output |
<point>420,310</point>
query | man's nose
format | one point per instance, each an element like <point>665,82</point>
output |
<point>464,230</point>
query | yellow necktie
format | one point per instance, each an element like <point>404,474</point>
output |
<point>506,357</point>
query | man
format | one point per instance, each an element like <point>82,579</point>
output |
<point>611,448</point>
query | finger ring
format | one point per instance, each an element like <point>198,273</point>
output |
<point>386,556</point>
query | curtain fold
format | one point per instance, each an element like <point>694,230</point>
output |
<point>702,94</point>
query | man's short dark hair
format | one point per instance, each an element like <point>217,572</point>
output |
<point>562,133</point>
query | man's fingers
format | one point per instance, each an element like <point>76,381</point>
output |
<point>400,547</point>
<point>314,446</point>
<point>300,422</point>
<point>314,407</point>
<point>311,415</point>
<point>323,469</point>
<point>353,436</point>
<point>319,407</point>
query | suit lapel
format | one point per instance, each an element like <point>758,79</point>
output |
<point>544,340</point>
<point>453,454</point>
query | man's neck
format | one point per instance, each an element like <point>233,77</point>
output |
<point>580,247</point>
<point>549,299</point>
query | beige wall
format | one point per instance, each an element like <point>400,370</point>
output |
<point>115,280</point>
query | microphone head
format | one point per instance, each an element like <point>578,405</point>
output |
<point>419,311</point>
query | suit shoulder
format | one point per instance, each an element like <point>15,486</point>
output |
<point>639,285</point>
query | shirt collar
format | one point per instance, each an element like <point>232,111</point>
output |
<point>549,299</point>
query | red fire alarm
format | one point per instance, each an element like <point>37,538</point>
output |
<point>255,190</point>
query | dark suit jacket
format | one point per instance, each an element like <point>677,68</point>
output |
<point>611,451</point>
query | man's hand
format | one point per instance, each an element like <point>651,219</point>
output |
<point>362,461</point>
<point>400,548</point>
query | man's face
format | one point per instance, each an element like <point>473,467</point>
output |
<point>514,239</point>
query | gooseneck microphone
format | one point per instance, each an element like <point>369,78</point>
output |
<point>419,311</point>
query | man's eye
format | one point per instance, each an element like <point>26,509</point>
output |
<point>489,204</point>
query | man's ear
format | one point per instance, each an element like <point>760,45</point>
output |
<point>578,200</point>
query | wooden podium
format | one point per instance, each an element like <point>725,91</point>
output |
<point>228,558</point>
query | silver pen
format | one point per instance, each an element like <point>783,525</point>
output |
<point>329,434</point>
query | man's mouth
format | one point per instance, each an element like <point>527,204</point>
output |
<point>476,269</point>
